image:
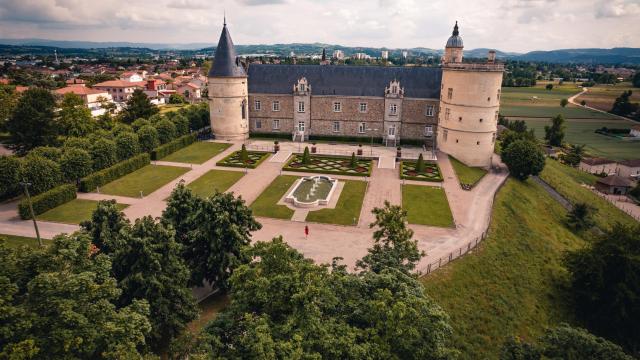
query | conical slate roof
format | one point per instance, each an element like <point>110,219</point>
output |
<point>455,40</point>
<point>226,62</point>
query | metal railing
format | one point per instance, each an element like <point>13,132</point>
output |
<point>621,198</point>
<point>444,260</point>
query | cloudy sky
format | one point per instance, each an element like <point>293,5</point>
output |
<point>508,25</point>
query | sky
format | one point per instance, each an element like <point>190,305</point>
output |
<point>507,25</point>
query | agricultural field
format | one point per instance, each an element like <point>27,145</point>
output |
<point>602,96</point>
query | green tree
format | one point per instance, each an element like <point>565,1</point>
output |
<point>213,231</point>
<point>564,102</point>
<point>103,154</point>
<point>43,174</point>
<point>127,145</point>
<point>554,134</point>
<point>138,106</point>
<point>523,158</point>
<point>47,152</point>
<point>76,142</point>
<point>353,162</point>
<point>574,156</point>
<point>420,164</point>
<point>139,123</point>
<point>9,176</point>
<point>583,103</point>
<point>306,157</point>
<point>549,87</point>
<point>8,102</point>
<point>32,122</point>
<point>581,216</point>
<point>105,225</point>
<point>75,117</point>
<point>604,285</point>
<point>120,128</point>
<point>75,164</point>
<point>166,130</point>
<point>509,136</point>
<point>177,99</point>
<point>244,154</point>
<point>636,79</point>
<point>148,138</point>
<point>181,123</point>
<point>623,106</point>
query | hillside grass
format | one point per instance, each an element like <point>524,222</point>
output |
<point>467,174</point>
<point>512,284</point>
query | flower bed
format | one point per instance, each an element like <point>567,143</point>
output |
<point>431,171</point>
<point>235,160</point>
<point>323,164</point>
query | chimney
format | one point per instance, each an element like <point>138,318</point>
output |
<point>491,57</point>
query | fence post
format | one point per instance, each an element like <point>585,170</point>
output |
<point>450,254</point>
<point>439,262</point>
<point>428,268</point>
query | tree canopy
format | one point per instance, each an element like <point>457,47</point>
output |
<point>523,158</point>
<point>138,106</point>
<point>554,134</point>
<point>75,117</point>
<point>32,122</point>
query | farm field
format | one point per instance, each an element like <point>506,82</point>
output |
<point>602,96</point>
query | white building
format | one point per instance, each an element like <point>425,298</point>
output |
<point>93,98</point>
<point>338,54</point>
<point>385,54</point>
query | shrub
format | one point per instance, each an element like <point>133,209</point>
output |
<point>121,128</point>
<point>306,158</point>
<point>171,147</point>
<point>103,154</point>
<point>43,174</point>
<point>127,145</point>
<point>116,171</point>
<point>420,164</point>
<point>181,123</point>
<point>138,124</point>
<point>166,131</point>
<point>75,142</point>
<point>9,176</point>
<point>47,152</point>
<point>148,138</point>
<point>47,200</point>
<point>353,162</point>
<point>75,164</point>
<point>244,155</point>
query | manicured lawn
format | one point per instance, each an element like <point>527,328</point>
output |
<point>339,165</point>
<point>266,204</point>
<point>510,285</point>
<point>197,153</point>
<point>147,179</point>
<point>347,210</point>
<point>209,309</point>
<point>13,241</point>
<point>567,180</point>
<point>467,176</point>
<point>73,212</point>
<point>219,180</point>
<point>431,171</point>
<point>234,160</point>
<point>426,205</point>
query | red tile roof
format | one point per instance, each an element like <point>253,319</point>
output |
<point>121,84</point>
<point>79,90</point>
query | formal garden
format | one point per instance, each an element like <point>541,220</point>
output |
<point>420,170</point>
<point>426,205</point>
<point>244,158</point>
<point>325,164</point>
<point>348,207</point>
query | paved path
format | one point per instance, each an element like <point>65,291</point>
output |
<point>566,204</point>
<point>384,185</point>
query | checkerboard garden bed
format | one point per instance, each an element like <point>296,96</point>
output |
<point>337,165</point>
<point>234,160</point>
<point>431,171</point>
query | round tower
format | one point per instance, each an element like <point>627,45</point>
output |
<point>228,92</point>
<point>469,106</point>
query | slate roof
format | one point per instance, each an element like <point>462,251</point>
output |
<point>418,82</point>
<point>225,62</point>
<point>455,40</point>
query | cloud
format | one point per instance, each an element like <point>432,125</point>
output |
<point>616,8</point>
<point>189,4</point>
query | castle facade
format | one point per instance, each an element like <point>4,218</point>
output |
<point>453,108</point>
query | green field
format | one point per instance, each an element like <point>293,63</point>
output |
<point>347,210</point>
<point>266,204</point>
<point>467,175</point>
<point>426,205</point>
<point>197,153</point>
<point>147,179</point>
<point>73,212</point>
<point>582,131</point>
<point>13,241</point>
<point>512,284</point>
<point>213,180</point>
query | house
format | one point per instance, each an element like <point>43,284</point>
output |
<point>157,91</point>
<point>629,169</point>
<point>635,131</point>
<point>92,97</point>
<point>598,165</point>
<point>75,81</point>
<point>190,91</point>
<point>120,90</point>
<point>132,76</point>
<point>613,185</point>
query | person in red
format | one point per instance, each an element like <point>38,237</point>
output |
<point>306,232</point>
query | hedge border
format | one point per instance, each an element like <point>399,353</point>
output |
<point>416,178</point>
<point>47,200</point>
<point>105,176</point>
<point>286,167</point>
<point>173,146</point>
<point>264,157</point>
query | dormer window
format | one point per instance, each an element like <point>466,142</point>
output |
<point>302,87</point>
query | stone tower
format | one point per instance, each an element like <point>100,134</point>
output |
<point>228,92</point>
<point>469,105</point>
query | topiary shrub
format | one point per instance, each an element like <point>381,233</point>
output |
<point>139,124</point>
<point>75,164</point>
<point>306,157</point>
<point>47,200</point>
<point>9,176</point>
<point>47,152</point>
<point>353,163</point>
<point>420,164</point>
<point>76,142</point>
<point>244,155</point>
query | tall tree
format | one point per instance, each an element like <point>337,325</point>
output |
<point>105,225</point>
<point>138,106</point>
<point>523,158</point>
<point>148,138</point>
<point>8,101</point>
<point>9,176</point>
<point>623,106</point>
<point>127,145</point>
<point>554,134</point>
<point>103,153</point>
<point>32,122</point>
<point>43,174</point>
<point>75,117</point>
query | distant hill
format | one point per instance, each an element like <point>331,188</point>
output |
<point>595,56</point>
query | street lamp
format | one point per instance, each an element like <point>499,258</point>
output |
<point>26,185</point>
<point>369,129</point>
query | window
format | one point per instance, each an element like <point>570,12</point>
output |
<point>336,126</point>
<point>337,107</point>
<point>394,89</point>
<point>391,130</point>
<point>428,130</point>
<point>301,106</point>
<point>393,109</point>
<point>363,107</point>
<point>447,113</point>
<point>480,120</point>
<point>275,125</point>
<point>450,94</point>
<point>302,87</point>
<point>276,106</point>
<point>429,110</point>
<point>301,126</point>
<point>362,127</point>
<point>258,124</point>
<point>257,105</point>
<point>477,142</point>
<point>460,118</point>
<point>445,132</point>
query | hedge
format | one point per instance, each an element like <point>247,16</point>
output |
<point>173,146</point>
<point>105,176</point>
<point>47,200</point>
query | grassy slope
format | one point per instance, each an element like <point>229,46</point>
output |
<point>148,179</point>
<point>73,212</point>
<point>197,153</point>
<point>466,174</point>
<point>426,205</point>
<point>511,284</point>
<point>348,206</point>
<point>566,180</point>
<point>213,180</point>
<point>13,241</point>
<point>265,204</point>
